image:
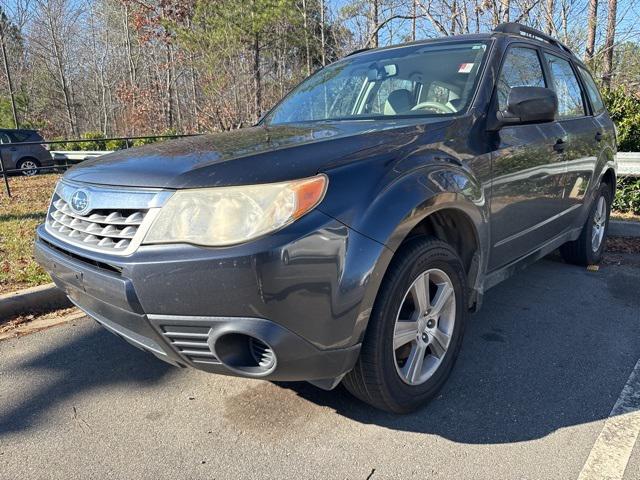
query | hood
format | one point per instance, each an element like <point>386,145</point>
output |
<point>247,156</point>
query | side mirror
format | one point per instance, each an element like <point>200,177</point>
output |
<point>529,105</point>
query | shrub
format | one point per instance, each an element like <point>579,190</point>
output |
<point>624,107</point>
<point>116,144</point>
<point>628,195</point>
<point>94,144</point>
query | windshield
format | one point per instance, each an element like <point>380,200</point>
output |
<point>420,80</point>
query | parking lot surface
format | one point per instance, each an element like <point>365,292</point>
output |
<point>541,367</point>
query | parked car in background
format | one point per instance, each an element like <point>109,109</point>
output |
<point>347,236</point>
<point>26,158</point>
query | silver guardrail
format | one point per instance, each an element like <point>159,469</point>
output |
<point>628,164</point>
<point>78,155</point>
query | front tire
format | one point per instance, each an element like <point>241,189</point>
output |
<point>415,330</point>
<point>589,247</point>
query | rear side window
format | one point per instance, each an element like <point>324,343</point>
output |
<point>592,92</point>
<point>20,136</point>
<point>566,86</point>
<point>27,136</point>
<point>521,68</point>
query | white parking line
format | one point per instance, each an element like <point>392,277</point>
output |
<point>610,454</point>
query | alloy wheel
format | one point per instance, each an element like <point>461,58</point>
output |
<point>29,168</point>
<point>599,224</point>
<point>424,326</point>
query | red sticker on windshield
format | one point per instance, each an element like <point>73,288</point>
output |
<point>465,67</point>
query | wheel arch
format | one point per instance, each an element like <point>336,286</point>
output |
<point>609,177</point>
<point>456,228</point>
<point>449,218</point>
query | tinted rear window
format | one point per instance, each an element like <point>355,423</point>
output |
<point>26,136</point>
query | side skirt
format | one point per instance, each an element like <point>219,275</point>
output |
<point>494,278</point>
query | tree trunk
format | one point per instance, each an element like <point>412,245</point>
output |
<point>257,80</point>
<point>306,36</point>
<point>323,43</point>
<point>414,13</point>
<point>454,14</point>
<point>374,23</point>
<point>169,86</point>
<point>607,71</point>
<point>549,17</point>
<point>505,10</point>
<point>591,37</point>
<point>61,74</point>
<point>9,81</point>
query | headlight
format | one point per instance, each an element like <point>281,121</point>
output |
<point>229,215</point>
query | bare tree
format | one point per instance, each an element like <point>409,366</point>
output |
<point>591,35</point>
<point>609,42</point>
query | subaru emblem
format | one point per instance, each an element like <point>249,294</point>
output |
<point>80,202</point>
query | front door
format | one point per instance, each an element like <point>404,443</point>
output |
<point>528,169</point>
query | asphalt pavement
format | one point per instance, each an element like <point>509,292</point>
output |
<point>540,370</point>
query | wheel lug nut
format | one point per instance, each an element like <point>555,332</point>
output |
<point>424,337</point>
<point>431,323</point>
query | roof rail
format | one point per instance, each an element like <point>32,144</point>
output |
<point>519,29</point>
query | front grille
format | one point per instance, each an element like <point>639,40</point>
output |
<point>114,220</point>
<point>190,342</point>
<point>109,230</point>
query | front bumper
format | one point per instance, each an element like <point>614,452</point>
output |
<point>306,292</point>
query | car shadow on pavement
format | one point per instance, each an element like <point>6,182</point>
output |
<point>543,354</point>
<point>91,359</point>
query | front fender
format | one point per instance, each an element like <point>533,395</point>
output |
<point>403,201</point>
<point>401,205</point>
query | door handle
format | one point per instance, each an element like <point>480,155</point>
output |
<point>559,145</point>
<point>598,136</point>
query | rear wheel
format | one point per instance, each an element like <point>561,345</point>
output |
<point>28,166</point>
<point>588,248</point>
<point>415,329</point>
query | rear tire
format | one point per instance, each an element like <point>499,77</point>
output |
<point>386,375</point>
<point>28,166</point>
<point>589,247</point>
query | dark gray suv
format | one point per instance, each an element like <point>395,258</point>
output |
<point>347,236</point>
<point>26,158</point>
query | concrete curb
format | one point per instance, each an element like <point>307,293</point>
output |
<point>43,298</point>
<point>621,228</point>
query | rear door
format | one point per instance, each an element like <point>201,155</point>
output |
<point>581,133</point>
<point>528,168</point>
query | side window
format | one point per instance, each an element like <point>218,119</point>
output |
<point>592,91</point>
<point>566,86</point>
<point>4,138</point>
<point>20,136</point>
<point>521,68</point>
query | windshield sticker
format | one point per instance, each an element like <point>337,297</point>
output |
<point>465,67</point>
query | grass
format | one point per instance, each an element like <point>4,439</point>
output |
<point>19,217</point>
